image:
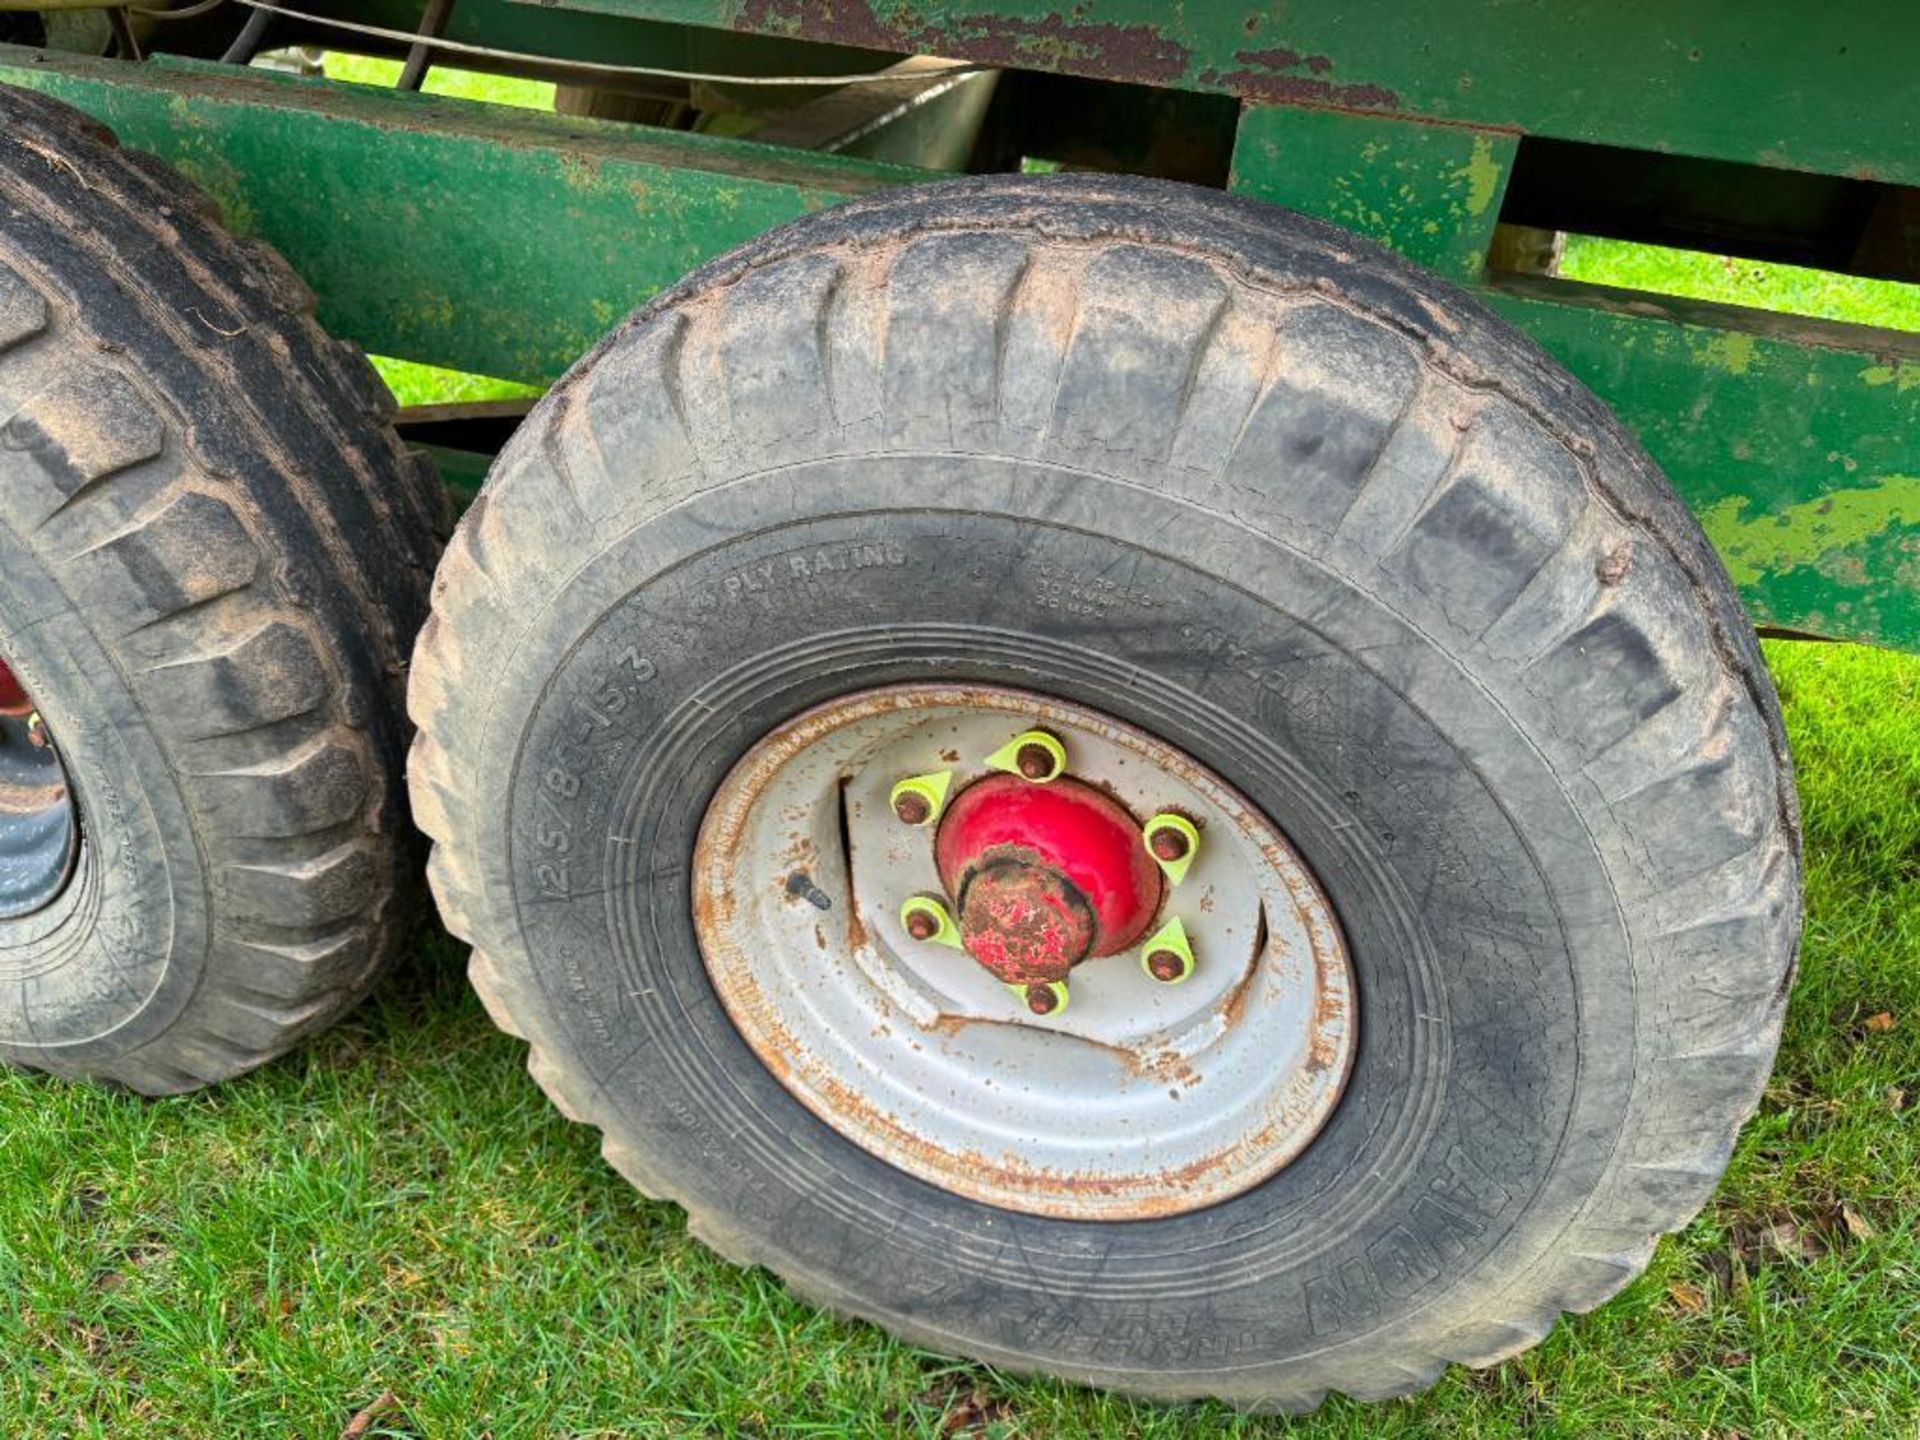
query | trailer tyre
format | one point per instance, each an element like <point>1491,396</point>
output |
<point>214,553</point>
<point>1247,513</point>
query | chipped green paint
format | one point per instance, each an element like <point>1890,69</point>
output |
<point>1798,465</point>
<point>1826,532</point>
<point>1731,352</point>
<point>1484,176</point>
<point>1431,192</point>
<point>1901,377</point>
<point>1830,88</point>
<point>1768,411</point>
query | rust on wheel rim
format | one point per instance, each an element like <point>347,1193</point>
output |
<point>1000,996</point>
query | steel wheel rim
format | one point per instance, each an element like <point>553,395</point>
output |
<point>39,821</point>
<point>1139,1098</point>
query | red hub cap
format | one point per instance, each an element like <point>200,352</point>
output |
<point>13,698</point>
<point>1044,876</point>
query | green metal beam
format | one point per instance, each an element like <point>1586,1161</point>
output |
<point>1831,88</point>
<point>1796,442</point>
<point>507,242</point>
<point>1432,192</point>
<point>497,241</point>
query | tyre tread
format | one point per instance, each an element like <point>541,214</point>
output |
<point>235,588</point>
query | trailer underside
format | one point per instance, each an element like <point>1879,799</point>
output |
<point>507,242</point>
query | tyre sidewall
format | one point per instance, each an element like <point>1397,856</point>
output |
<point>118,955</point>
<point>1496,1026</point>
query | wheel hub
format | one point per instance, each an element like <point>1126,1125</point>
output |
<point>39,824</point>
<point>1025,923</point>
<point>1044,876</point>
<point>893,899</point>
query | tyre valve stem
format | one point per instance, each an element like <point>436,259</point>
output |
<point>925,919</point>
<point>1036,755</point>
<point>1168,955</point>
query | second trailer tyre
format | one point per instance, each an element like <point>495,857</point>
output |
<point>1121,783</point>
<point>214,553</point>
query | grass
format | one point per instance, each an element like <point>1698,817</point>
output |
<point>396,1212</point>
<point>441,80</point>
<point>1732,281</point>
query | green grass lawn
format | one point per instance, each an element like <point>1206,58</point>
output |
<point>396,1211</point>
<point>1734,281</point>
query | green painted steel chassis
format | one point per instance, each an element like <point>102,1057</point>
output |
<point>507,242</point>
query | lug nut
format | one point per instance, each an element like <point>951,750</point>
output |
<point>1036,755</point>
<point>918,799</point>
<point>1173,841</point>
<point>926,920</point>
<point>1168,955</point>
<point>1165,966</point>
<point>1044,999</point>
